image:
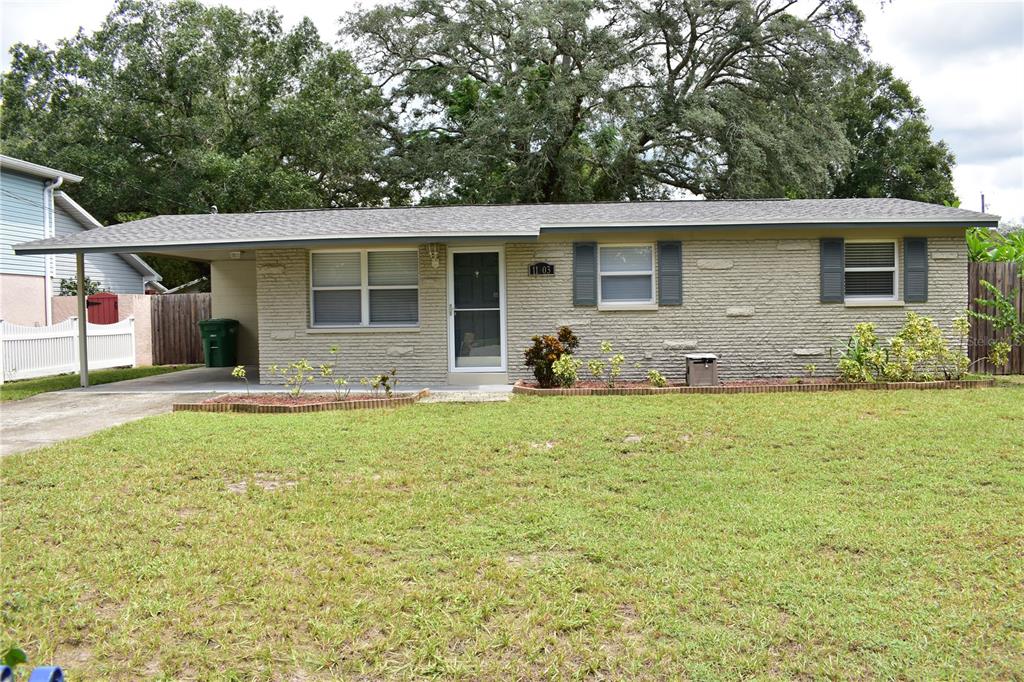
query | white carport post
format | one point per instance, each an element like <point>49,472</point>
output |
<point>83,342</point>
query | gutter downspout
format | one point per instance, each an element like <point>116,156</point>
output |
<point>49,230</point>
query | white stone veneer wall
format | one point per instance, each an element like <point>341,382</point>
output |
<point>754,302</point>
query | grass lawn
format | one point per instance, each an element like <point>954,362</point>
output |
<point>843,535</point>
<point>26,388</point>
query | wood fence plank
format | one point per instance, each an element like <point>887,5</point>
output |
<point>175,319</point>
<point>1006,278</point>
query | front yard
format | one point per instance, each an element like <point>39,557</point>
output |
<point>843,535</point>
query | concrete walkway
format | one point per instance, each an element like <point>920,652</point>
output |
<point>50,418</point>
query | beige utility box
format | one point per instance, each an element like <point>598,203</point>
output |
<point>701,369</point>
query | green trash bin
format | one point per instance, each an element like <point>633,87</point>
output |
<point>220,341</point>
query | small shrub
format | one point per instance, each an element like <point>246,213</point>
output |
<point>861,359</point>
<point>387,382</point>
<point>296,375</point>
<point>999,353</point>
<point>337,382</point>
<point>69,286</point>
<point>239,373</point>
<point>655,378</point>
<point>545,350</point>
<point>566,370</point>
<point>613,364</point>
<point>918,352</point>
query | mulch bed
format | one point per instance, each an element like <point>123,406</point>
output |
<point>781,381</point>
<point>747,386</point>
<point>276,403</point>
<point>288,399</point>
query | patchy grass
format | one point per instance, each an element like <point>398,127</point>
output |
<point>843,535</point>
<point>26,388</point>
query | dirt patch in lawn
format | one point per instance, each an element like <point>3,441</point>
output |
<point>268,482</point>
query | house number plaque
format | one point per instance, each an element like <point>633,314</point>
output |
<point>542,269</point>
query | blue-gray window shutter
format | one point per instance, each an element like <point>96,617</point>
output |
<point>584,273</point>
<point>670,273</point>
<point>832,266</point>
<point>915,269</point>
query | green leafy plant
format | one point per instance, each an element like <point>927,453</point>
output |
<point>296,375</point>
<point>656,379</point>
<point>1004,315</point>
<point>239,373</point>
<point>69,286</point>
<point>566,370</point>
<point>387,382</point>
<point>613,364</point>
<point>14,657</point>
<point>545,350</point>
<point>861,360</point>
<point>918,352</point>
<point>987,245</point>
<point>339,384</point>
<point>998,353</point>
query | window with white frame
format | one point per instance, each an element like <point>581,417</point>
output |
<point>870,270</point>
<point>626,274</point>
<point>364,288</point>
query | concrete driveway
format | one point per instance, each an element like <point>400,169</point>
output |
<point>49,418</point>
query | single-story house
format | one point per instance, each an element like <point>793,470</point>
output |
<point>452,294</point>
<point>32,206</point>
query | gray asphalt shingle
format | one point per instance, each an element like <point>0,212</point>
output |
<point>498,221</point>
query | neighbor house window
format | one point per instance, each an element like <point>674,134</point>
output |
<point>364,288</point>
<point>870,270</point>
<point>626,274</point>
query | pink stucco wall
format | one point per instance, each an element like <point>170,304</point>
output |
<point>138,306</point>
<point>23,299</point>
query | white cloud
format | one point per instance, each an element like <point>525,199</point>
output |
<point>963,58</point>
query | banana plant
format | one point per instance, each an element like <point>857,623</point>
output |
<point>988,245</point>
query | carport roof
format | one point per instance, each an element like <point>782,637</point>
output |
<point>516,221</point>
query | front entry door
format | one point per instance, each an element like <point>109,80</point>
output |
<point>476,320</point>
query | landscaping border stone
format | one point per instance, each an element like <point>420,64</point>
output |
<point>767,388</point>
<point>327,405</point>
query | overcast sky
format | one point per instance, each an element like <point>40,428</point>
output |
<point>963,58</point>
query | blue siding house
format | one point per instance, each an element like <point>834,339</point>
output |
<point>33,205</point>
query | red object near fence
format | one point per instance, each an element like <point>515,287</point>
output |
<point>101,308</point>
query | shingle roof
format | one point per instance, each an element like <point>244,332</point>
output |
<point>523,221</point>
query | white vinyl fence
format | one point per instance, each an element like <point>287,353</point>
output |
<point>41,351</point>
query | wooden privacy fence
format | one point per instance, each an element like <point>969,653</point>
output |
<point>27,352</point>
<point>175,331</point>
<point>1006,277</point>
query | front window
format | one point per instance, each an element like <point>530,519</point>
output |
<point>364,288</point>
<point>870,270</point>
<point>626,274</point>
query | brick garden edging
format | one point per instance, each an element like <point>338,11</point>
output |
<point>327,405</point>
<point>767,388</point>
